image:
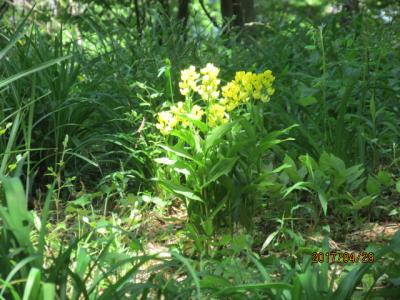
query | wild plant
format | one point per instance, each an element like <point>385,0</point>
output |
<point>215,144</point>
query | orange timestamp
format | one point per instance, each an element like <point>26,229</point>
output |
<point>342,257</point>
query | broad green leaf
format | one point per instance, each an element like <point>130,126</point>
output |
<point>323,201</point>
<point>82,201</point>
<point>214,282</point>
<point>329,161</point>
<point>272,139</point>
<point>82,262</point>
<point>222,167</point>
<point>353,173</point>
<point>367,200</point>
<point>165,161</point>
<point>208,227</point>
<point>183,171</point>
<point>309,163</point>
<point>16,216</point>
<point>384,178</point>
<point>213,138</point>
<point>292,170</point>
<point>180,190</point>
<point>199,124</point>
<point>185,135</point>
<point>307,101</point>
<point>17,268</point>
<point>48,291</point>
<point>32,286</point>
<point>301,185</point>
<point>178,151</point>
<point>373,186</point>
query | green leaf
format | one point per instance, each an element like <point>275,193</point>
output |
<point>323,201</point>
<point>214,282</point>
<point>373,186</point>
<point>32,286</point>
<point>185,135</point>
<point>48,291</point>
<point>192,272</point>
<point>85,159</point>
<point>292,170</point>
<point>38,68</point>
<point>268,240</point>
<point>243,288</point>
<point>178,151</point>
<point>309,163</point>
<point>306,101</point>
<point>367,200</point>
<point>180,190</point>
<point>213,138</point>
<point>82,262</point>
<point>165,161</point>
<point>271,139</point>
<point>16,216</point>
<point>199,124</point>
<point>398,186</point>
<point>82,201</point>
<point>222,167</point>
<point>384,178</point>
<point>301,185</point>
<point>18,33</point>
<point>208,227</point>
<point>329,161</point>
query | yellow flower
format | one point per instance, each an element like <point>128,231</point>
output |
<point>245,86</point>
<point>166,122</point>
<point>188,84</point>
<point>216,115</point>
<point>179,110</point>
<point>209,88</point>
<point>196,113</point>
<point>231,95</point>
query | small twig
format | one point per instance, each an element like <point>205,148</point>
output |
<point>208,14</point>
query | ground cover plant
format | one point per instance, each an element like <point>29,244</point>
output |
<point>227,149</point>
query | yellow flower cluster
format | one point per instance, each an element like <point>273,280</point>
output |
<point>216,115</point>
<point>246,86</point>
<point>168,120</point>
<point>188,81</point>
<point>209,88</point>
<point>242,89</point>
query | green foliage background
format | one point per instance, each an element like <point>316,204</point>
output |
<point>81,84</point>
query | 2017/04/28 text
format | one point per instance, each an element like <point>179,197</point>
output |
<point>343,257</point>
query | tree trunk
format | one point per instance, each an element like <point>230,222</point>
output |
<point>138,18</point>
<point>226,9</point>
<point>237,13</point>
<point>248,10</point>
<point>351,6</point>
<point>183,12</point>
